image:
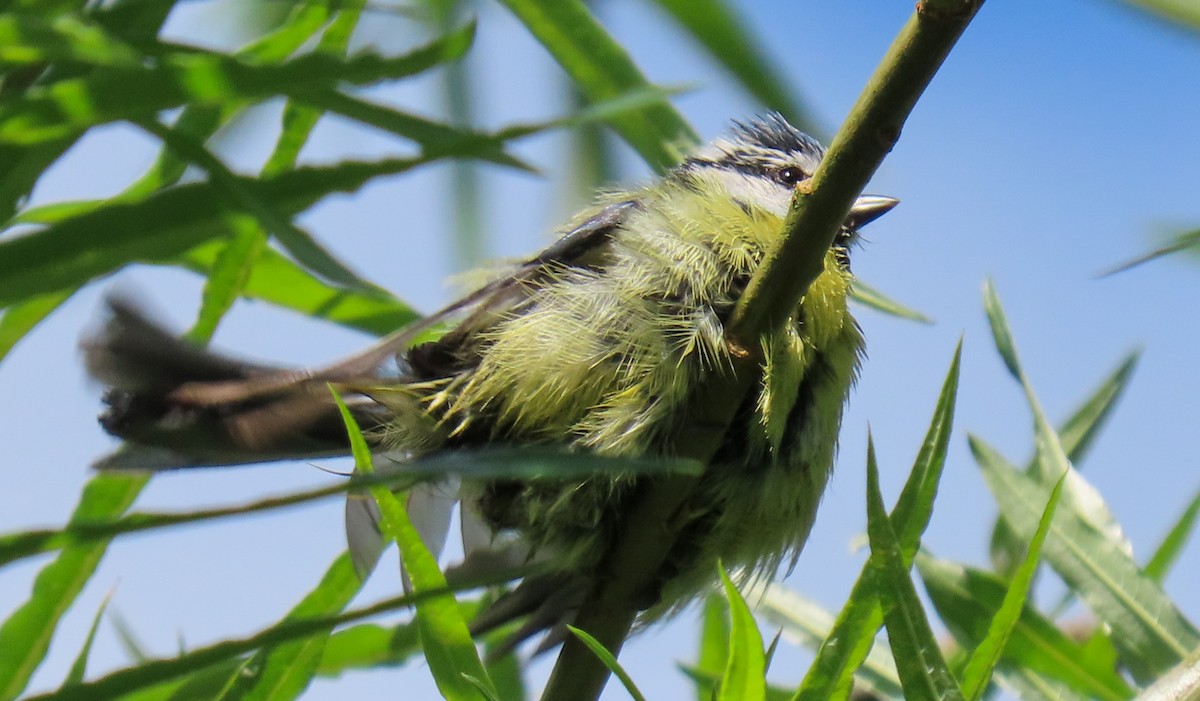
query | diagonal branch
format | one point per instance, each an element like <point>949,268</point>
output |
<point>819,207</point>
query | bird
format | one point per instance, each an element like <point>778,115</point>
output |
<point>593,346</point>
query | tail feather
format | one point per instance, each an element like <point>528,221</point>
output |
<point>145,367</point>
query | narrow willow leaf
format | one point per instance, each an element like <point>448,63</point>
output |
<point>447,643</point>
<point>25,635</point>
<point>609,660</point>
<point>29,39</point>
<point>147,675</point>
<point>919,662</point>
<point>714,644</point>
<point>284,671</point>
<point>1076,435</point>
<point>978,672</point>
<point>1031,686</point>
<point>870,297</point>
<point>807,622</point>
<point>1150,632</point>
<point>717,28</point>
<point>19,319</point>
<point>1169,549</point>
<point>490,464</point>
<point>1187,241</point>
<point>229,273</point>
<point>276,279</point>
<point>62,109</point>
<point>745,677</point>
<point>832,672</point>
<point>1181,683</point>
<point>1001,333</point>
<point>242,193</point>
<point>75,251</point>
<point>369,646</point>
<point>602,69</point>
<point>79,668</point>
<point>207,683</point>
<point>967,599</point>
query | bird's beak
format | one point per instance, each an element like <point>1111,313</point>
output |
<point>868,208</point>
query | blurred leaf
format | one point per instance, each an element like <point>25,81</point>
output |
<point>1181,683</point>
<point>284,671</point>
<point>919,662</point>
<point>61,109</point>
<point>1150,632</point>
<point>25,635</point>
<point>714,644</point>
<point>19,319</point>
<point>368,645</point>
<point>1189,240</point>
<point>603,70</point>
<point>1168,551</point>
<point>978,672</point>
<point>832,672</point>
<point>967,599</point>
<point>32,39</point>
<point>276,279</point>
<point>870,297</point>
<point>79,668</point>
<point>146,675</point>
<point>609,661</point>
<point>745,677</point>
<point>445,638</point>
<point>168,223</point>
<point>1001,333</point>
<point>715,26</point>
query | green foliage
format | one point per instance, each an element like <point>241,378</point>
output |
<point>67,67</point>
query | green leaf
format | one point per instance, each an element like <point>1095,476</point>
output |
<point>919,662</point>
<point>1169,549</point>
<point>967,599</point>
<point>284,671</point>
<point>19,319</point>
<point>609,660</point>
<point>79,667</point>
<point>73,252</point>
<point>745,677</point>
<point>25,636</point>
<point>1001,333</point>
<point>602,69</point>
<point>870,297</point>
<point>810,623</point>
<point>1188,240</point>
<point>832,672</point>
<point>1076,435</point>
<point>147,675</point>
<point>62,109</point>
<point>276,279</point>
<point>369,645</point>
<point>1151,634</point>
<point>978,672</point>
<point>28,39</point>
<point>714,644</point>
<point>715,26</point>
<point>1181,683</point>
<point>449,650</point>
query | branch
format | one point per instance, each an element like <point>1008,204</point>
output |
<point>819,207</point>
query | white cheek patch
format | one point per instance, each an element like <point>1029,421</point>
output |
<point>751,190</point>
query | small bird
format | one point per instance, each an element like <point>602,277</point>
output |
<point>593,345</point>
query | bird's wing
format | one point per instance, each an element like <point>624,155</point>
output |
<point>573,247</point>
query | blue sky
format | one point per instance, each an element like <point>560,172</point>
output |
<point>1059,139</point>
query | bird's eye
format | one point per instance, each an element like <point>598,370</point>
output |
<point>790,175</point>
